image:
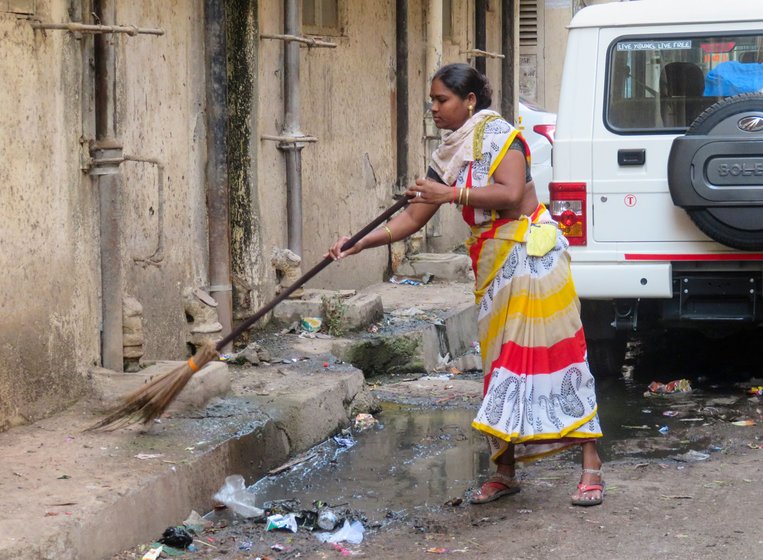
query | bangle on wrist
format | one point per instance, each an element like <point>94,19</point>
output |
<point>466,203</point>
<point>460,195</point>
<point>389,235</point>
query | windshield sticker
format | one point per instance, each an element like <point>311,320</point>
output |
<point>654,45</point>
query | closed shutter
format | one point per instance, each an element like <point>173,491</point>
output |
<point>528,23</point>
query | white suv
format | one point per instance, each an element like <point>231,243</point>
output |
<point>658,167</point>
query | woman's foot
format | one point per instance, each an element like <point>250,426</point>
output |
<point>590,491</point>
<point>494,487</point>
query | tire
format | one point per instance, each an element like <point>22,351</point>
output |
<point>606,356</point>
<point>733,213</point>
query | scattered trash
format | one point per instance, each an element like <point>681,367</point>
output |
<point>278,547</point>
<point>405,281</point>
<point>364,421</point>
<point>196,524</point>
<point>692,456</point>
<point>325,364</point>
<point>646,410</point>
<point>344,441</point>
<point>149,455</point>
<point>327,520</point>
<point>677,386</point>
<point>663,430</point>
<point>525,511</point>
<point>311,324</point>
<point>176,537</point>
<point>454,502</point>
<point>286,522</point>
<point>755,390</point>
<point>153,553</point>
<point>437,550</point>
<point>292,463</point>
<point>64,477</point>
<point>236,497</point>
<point>246,546</point>
<point>671,413</point>
<point>350,532</point>
<point>747,422</point>
<point>342,550</point>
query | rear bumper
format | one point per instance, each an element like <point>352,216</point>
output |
<point>623,280</point>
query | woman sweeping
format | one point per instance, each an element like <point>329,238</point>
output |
<point>539,393</point>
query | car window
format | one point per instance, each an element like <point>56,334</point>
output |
<point>661,84</point>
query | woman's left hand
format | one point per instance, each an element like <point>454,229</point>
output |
<point>426,191</point>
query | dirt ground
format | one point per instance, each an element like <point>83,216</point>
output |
<point>656,506</point>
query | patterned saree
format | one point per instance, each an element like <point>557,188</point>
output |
<point>539,393</point>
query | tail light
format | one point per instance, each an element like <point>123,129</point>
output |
<point>568,207</point>
<point>546,130</point>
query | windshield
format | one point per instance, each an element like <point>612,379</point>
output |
<point>663,84</point>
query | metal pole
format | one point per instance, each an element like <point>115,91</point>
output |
<point>433,62</point>
<point>218,211</point>
<point>508,63</point>
<point>109,191</point>
<point>480,33</point>
<point>292,151</point>
<point>401,65</point>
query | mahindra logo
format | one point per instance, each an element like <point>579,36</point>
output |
<point>752,123</point>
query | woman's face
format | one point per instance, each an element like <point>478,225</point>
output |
<point>448,109</point>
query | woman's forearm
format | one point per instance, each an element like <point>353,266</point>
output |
<point>406,223</point>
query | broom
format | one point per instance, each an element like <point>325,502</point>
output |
<point>152,399</point>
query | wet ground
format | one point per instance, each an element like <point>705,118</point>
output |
<point>402,476</point>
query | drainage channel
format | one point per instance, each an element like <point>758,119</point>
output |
<point>420,457</point>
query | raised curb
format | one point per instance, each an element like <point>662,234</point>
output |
<point>246,433</point>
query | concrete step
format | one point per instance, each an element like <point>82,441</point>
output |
<point>352,310</point>
<point>450,267</point>
<point>416,346</point>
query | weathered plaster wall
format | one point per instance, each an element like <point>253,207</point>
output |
<point>48,222</point>
<point>160,114</point>
<point>558,14</point>
<point>347,98</point>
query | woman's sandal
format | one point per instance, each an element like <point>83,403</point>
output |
<point>501,484</point>
<point>584,489</point>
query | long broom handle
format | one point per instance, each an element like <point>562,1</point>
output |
<point>310,273</point>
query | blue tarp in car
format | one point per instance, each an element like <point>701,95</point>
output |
<point>733,78</point>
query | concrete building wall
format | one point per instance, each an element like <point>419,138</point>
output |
<point>48,222</point>
<point>49,216</point>
<point>348,101</point>
<point>161,115</point>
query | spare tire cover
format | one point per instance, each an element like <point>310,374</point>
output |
<point>715,172</point>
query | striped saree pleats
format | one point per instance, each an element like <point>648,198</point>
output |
<point>539,393</point>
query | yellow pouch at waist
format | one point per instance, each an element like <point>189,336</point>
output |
<point>541,239</point>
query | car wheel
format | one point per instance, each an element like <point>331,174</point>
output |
<point>715,172</point>
<point>606,355</point>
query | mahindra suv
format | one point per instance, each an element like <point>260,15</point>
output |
<point>658,168</point>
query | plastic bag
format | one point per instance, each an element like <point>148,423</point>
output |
<point>541,238</point>
<point>235,495</point>
<point>350,532</point>
<point>286,522</point>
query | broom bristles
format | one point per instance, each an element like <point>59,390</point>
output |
<point>151,400</point>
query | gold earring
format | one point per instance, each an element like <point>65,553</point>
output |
<point>471,110</point>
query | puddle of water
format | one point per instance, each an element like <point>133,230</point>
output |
<point>422,457</point>
<point>414,458</point>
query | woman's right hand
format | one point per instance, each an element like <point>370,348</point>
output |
<point>335,252</point>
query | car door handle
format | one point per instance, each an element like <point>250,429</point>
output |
<point>631,157</point>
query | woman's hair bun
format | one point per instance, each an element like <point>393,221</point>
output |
<point>463,79</point>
